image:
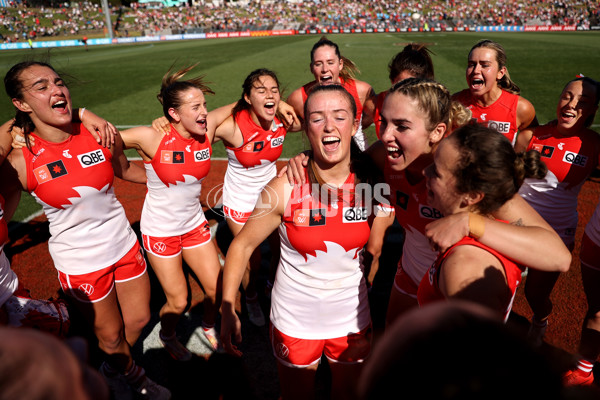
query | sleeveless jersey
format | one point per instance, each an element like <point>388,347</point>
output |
<point>350,85</point>
<point>429,290</point>
<point>413,213</point>
<point>252,165</point>
<point>320,290</point>
<point>8,279</point>
<point>175,173</point>
<point>73,182</point>
<point>570,161</point>
<point>501,115</point>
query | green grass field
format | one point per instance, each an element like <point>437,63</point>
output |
<point>120,82</point>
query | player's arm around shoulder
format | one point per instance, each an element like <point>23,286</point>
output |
<point>144,139</point>
<point>526,114</point>
<point>229,132</point>
<point>368,111</point>
<point>527,238</point>
<point>122,167</point>
<point>14,169</point>
<point>523,139</point>
<point>295,100</point>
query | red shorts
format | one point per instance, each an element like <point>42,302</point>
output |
<point>293,352</point>
<point>404,283</point>
<point>171,246</point>
<point>239,217</point>
<point>96,285</point>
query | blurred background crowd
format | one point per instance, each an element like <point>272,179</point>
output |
<point>31,19</point>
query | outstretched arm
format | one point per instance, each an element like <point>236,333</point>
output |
<point>261,223</point>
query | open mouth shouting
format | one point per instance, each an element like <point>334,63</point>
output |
<point>326,79</point>
<point>330,143</point>
<point>60,105</point>
<point>270,107</point>
<point>393,152</point>
<point>567,116</point>
<point>201,123</point>
<point>477,83</point>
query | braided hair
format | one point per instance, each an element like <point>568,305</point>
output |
<point>435,100</point>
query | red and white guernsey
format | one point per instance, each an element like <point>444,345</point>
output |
<point>73,182</point>
<point>501,115</point>
<point>252,165</point>
<point>570,161</point>
<point>413,212</point>
<point>429,290</point>
<point>8,279</point>
<point>172,205</point>
<point>319,290</point>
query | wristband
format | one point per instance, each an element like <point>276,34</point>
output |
<point>476,225</point>
<point>81,111</point>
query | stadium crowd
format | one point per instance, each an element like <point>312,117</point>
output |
<point>21,22</point>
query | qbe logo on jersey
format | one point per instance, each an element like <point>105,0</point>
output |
<point>354,214</point>
<point>500,126</point>
<point>575,159</point>
<point>90,159</point>
<point>276,142</point>
<point>201,155</point>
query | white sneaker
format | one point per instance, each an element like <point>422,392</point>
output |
<point>153,391</point>
<point>119,388</point>
<point>255,314</point>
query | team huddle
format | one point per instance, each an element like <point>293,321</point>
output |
<point>482,191</point>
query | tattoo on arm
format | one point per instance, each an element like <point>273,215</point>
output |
<point>518,222</point>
